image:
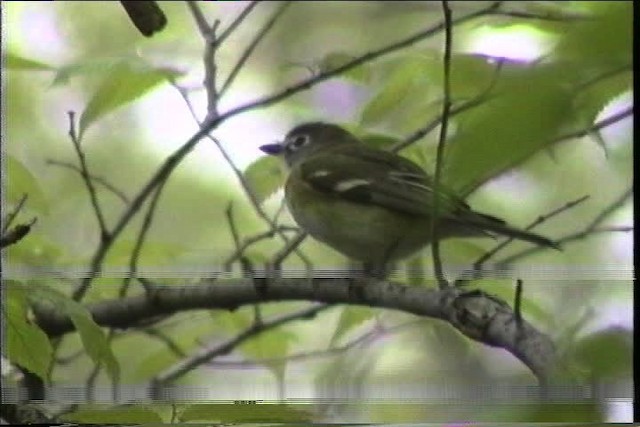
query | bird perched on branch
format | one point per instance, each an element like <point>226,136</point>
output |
<point>369,204</point>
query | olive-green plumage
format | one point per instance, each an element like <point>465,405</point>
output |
<point>372,205</point>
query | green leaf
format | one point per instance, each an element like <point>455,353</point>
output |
<point>84,68</point>
<point>123,414</point>
<point>333,60</point>
<point>37,250</point>
<point>93,338</point>
<point>125,82</point>
<point>607,353</point>
<point>592,99</point>
<point>26,344</point>
<point>269,345</point>
<point>21,181</point>
<point>606,37</point>
<point>264,177</point>
<point>521,120</point>
<point>246,412</point>
<point>13,61</point>
<point>153,254</point>
<point>471,74</point>
<point>350,318</point>
<point>400,84</point>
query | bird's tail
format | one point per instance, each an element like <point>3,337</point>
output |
<point>496,225</point>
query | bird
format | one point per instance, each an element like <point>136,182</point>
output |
<point>369,204</point>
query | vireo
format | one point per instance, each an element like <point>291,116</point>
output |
<point>372,205</point>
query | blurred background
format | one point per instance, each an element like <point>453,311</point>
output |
<point>59,56</point>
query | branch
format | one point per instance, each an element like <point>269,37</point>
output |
<point>241,17</point>
<point>13,214</point>
<point>422,132</point>
<point>260,35</point>
<point>549,18</point>
<point>475,272</point>
<point>249,241</point>
<point>102,181</point>
<point>274,227</point>
<point>137,250</point>
<point>597,126</point>
<point>446,108</point>
<point>16,234</point>
<point>376,333</point>
<point>86,178</point>
<point>589,229</point>
<point>10,237</point>
<point>198,16</point>
<point>480,317</point>
<point>478,100</point>
<point>205,355</point>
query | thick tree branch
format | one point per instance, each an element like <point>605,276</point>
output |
<point>478,316</point>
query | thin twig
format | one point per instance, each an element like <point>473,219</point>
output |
<point>274,227</point>
<point>13,214</point>
<point>249,241</point>
<point>422,132</point>
<point>171,344</point>
<point>211,73</point>
<point>165,170</point>
<point>86,178</point>
<point>476,270</point>
<point>93,376</point>
<point>211,43</point>
<point>517,303</point>
<point>16,234</point>
<point>235,169</point>
<point>286,251</point>
<point>239,19</point>
<point>137,249</point>
<point>206,355</point>
<point>247,267</point>
<point>232,225</point>
<point>198,16</point>
<point>119,194</point>
<point>608,121</point>
<point>455,110</point>
<point>366,338</point>
<point>446,107</point>
<point>550,18</point>
<point>260,35</point>
<point>604,76</point>
<point>596,127</point>
<point>477,265</point>
<point>591,228</point>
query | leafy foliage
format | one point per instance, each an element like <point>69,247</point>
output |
<point>125,82</point>
<point>264,177</point>
<point>27,345</point>
<point>93,339</point>
<point>23,182</point>
<point>527,107</point>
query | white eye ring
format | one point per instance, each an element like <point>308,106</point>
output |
<point>298,141</point>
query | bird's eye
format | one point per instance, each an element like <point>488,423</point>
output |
<point>298,141</point>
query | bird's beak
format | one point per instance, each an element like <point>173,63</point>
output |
<point>272,149</point>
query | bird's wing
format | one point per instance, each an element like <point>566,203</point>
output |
<point>366,175</point>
